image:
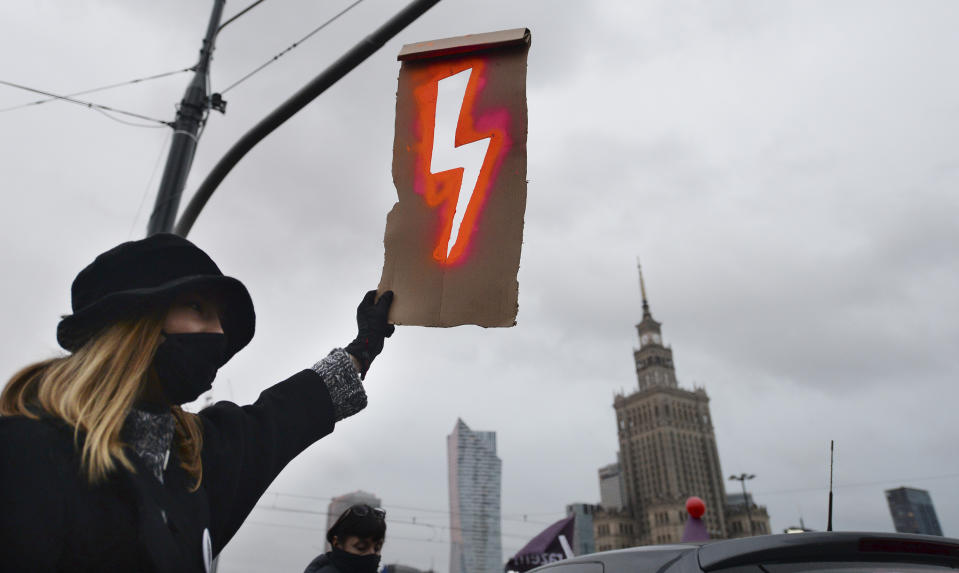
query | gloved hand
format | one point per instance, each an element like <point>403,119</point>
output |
<point>373,328</point>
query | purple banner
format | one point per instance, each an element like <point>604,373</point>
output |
<point>544,548</point>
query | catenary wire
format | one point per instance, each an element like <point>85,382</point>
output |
<point>291,47</point>
<point>99,89</point>
<point>86,104</point>
<point>388,520</point>
<point>505,517</point>
<point>858,484</point>
<point>130,123</point>
<point>389,536</point>
<point>410,508</point>
<point>756,493</point>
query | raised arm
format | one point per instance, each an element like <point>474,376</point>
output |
<point>245,448</point>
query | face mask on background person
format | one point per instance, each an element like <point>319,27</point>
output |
<point>348,562</point>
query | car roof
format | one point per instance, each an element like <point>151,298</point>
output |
<point>783,548</point>
<point>629,559</point>
<point>826,546</point>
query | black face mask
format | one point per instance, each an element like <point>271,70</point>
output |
<point>187,363</point>
<point>347,562</point>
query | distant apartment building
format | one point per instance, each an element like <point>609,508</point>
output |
<point>743,522</point>
<point>613,526</point>
<point>475,474</point>
<point>613,529</point>
<point>611,487</point>
<point>912,511</point>
<point>583,541</point>
<point>340,503</point>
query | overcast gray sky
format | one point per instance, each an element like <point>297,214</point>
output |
<point>786,171</point>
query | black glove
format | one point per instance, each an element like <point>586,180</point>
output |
<point>373,328</point>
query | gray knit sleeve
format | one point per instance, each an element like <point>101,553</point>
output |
<point>343,382</point>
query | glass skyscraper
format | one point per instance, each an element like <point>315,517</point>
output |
<point>912,511</point>
<point>474,480</point>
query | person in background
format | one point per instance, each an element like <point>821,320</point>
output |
<point>100,467</point>
<point>356,540</point>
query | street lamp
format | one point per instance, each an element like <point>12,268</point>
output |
<point>741,478</point>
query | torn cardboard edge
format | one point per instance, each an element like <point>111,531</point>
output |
<point>464,44</point>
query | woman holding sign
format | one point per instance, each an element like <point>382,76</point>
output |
<point>100,467</point>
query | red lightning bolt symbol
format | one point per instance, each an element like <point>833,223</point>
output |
<point>462,200</point>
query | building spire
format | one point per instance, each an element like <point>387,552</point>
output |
<point>642,290</point>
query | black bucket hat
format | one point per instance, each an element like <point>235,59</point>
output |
<point>136,277</point>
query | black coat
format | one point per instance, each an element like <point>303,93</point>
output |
<point>51,519</point>
<point>322,564</point>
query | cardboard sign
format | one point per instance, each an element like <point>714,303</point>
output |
<point>453,239</point>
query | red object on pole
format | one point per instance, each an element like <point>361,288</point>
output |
<point>695,507</point>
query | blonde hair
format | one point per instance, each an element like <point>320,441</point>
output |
<point>93,390</point>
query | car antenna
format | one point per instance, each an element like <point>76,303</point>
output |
<point>829,518</point>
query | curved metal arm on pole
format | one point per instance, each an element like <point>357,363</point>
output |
<point>298,101</point>
<point>240,13</point>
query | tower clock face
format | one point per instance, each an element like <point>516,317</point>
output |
<point>649,337</point>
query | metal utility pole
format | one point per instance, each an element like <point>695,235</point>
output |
<point>741,478</point>
<point>189,118</point>
<point>832,444</point>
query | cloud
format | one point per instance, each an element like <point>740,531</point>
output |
<point>786,172</point>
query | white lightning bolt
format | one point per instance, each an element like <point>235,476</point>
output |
<point>451,92</point>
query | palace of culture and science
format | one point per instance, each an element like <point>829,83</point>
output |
<point>667,453</point>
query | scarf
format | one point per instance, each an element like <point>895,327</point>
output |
<point>149,435</point>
